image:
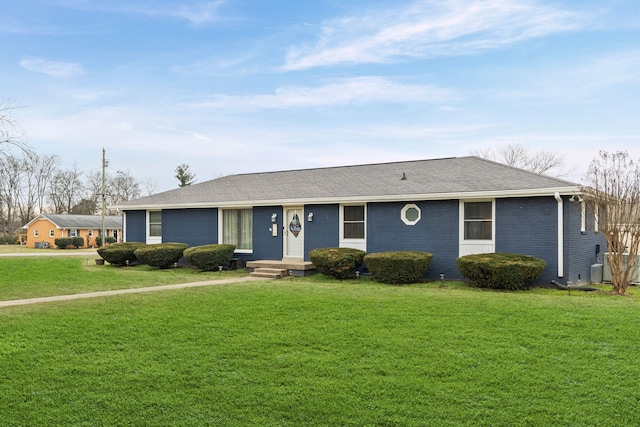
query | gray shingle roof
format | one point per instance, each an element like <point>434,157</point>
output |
<point>85,221</point>
<point>437,178</point>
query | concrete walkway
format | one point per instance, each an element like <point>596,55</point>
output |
<point>61,252</point>
<point>17,302</point>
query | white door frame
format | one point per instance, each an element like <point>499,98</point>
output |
<point>286,234</point>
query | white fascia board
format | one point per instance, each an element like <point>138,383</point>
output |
<point>37,218</point>
<point>359,199</point>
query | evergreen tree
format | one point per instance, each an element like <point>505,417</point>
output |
<point>184,175</point>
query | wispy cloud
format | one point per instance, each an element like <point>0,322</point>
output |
<point>352,91</point>
<point>196,12</point>
<point>584,77</point>
<point>430,28</point>
<point>61,70</point>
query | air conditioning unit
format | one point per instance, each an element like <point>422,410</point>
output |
<point>635,272</point>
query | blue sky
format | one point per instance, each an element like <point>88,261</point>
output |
<point>236,86</point>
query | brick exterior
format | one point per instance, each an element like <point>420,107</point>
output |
<point>136,226</point>
<point>436,232</point>
<point>523,225</point>
<point>192,226</point>
<point>265,245</point>
<point>324,230</point>
<point>580,247</point>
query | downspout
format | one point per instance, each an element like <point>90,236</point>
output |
<point>560,235</point>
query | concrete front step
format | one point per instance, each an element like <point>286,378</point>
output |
<point>269,273</point>
<point>293,267</point>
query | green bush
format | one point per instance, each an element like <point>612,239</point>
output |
<point>210,257</point>
<point>120,253</point>
<point>78,242</point>
<point>501,270</point>
<point>398,267</point>
<point>63,242</point>
<point>9,240</point>
<point>161,255</point>
<point>108,239</point>
<point>337,262</point>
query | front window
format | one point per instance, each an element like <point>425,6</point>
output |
<point>155,223</point>
<point>74,233</point>
<point>237,228</point>
<point>353,222</point>
<point>478,220</point>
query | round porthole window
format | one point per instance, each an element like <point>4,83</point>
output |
<point>411,214</point>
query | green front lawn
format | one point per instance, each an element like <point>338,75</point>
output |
<point>320,352</point>
<point>30,277</point>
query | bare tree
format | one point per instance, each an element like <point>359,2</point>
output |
<point>150,186</point>
<point>66,190</point>
<point>123,187</point>
<point>11,177</point>
<point>119,188</point>
<point>540,162</point>
<point>24,180</point>
<point>11,133</point>
<point>612,197</point>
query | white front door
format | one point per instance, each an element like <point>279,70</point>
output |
<point>294,233</point>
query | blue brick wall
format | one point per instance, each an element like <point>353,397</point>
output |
<point>580,247</point>
<point>266,246</point>
<point>436,232</point>
<point>523,225</point>
<point>529,226</point>
<point>136,226</point>
<point>194,227</point>
<point>324,230</point>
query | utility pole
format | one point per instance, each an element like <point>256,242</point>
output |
<point>104,166</point>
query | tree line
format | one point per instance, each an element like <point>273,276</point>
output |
<point>33,183</point>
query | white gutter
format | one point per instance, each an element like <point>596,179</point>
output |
<point>560,235</point>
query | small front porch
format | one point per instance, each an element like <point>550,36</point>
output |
<point>276,269</point>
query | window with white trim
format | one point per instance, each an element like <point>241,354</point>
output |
<point>155,224</point>
<point>35,232</point>
<point>52,232</point>
<point>353,222</point>
<point>478,221</point>
<point>237,228</point>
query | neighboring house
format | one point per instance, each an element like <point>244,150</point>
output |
<point>47,228</point>
<point>451,207</point>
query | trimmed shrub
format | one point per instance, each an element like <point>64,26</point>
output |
<point>337,262</point>
<point>120,253</point>
<point>78,242</point>
<point>108,239</point>
<point>398,267</point>
<point>501,270</point>
<point>210,257</point>
<point>63,242</point>
<point>161,255</point>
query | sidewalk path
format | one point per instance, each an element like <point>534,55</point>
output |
<point>70,252</point>
<point>17,302</point>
